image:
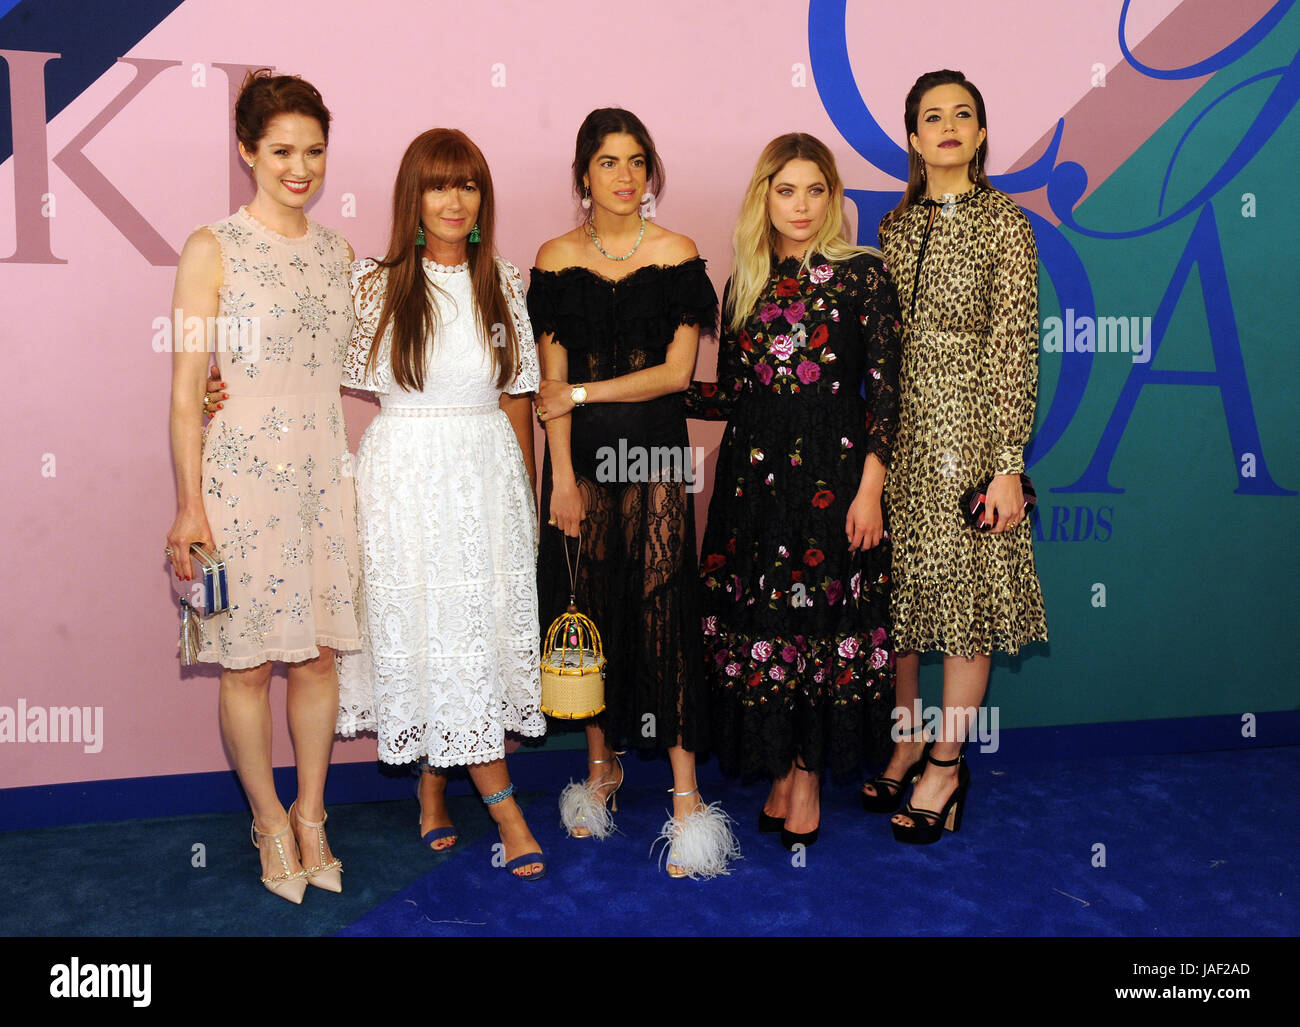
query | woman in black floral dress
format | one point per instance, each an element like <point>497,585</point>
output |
<point>618,304</point>
<point>796,559</point>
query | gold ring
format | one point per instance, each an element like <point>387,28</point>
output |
<point>551,522</point>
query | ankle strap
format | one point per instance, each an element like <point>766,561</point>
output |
<point>293,811</point>
<point>693,791</point>
<point>961,757</point>
<point>501,796</point>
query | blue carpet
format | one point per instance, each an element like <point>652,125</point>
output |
<point>1194,844</point>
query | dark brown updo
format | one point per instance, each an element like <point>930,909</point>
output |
<point>607,121</point>
<point>265,95</point>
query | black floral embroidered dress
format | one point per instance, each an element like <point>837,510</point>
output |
<point>797,640</point>
<point>638,578</point>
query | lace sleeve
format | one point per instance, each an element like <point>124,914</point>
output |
<point>878,315</point>
<point>690,297</point>
<point>1013,339</point>
<point>712,401</point>
<point>527,376</point>
<point>368,282</point>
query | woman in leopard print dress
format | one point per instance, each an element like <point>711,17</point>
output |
<point>964,259</point>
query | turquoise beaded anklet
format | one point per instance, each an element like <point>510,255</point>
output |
<point>505,793</point>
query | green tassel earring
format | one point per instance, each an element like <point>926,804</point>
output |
<point>474,234</point>
<point>419,236</point>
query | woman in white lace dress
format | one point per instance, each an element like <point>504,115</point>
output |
<point>447,520</point>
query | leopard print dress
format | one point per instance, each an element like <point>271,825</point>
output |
<point>968,385</point>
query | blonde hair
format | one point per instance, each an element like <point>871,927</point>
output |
<point>755,238</point>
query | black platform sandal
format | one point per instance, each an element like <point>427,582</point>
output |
<point>927,825</point>
<point>889,792</point>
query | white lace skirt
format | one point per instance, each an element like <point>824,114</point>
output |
<point>448,537</point>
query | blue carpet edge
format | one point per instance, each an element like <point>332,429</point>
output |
<point>79,802</point>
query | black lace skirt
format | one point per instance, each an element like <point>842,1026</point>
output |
<point>637,578</point>
<point>796,628</point>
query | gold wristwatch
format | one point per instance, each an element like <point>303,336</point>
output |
<point>578,394</point>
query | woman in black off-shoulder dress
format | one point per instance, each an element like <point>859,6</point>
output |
<point>617,307</point>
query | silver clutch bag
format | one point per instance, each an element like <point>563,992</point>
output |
<point>213,598</point>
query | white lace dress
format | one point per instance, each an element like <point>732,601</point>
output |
<point>448,536</point>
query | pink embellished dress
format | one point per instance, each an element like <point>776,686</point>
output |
<point>276,473</point>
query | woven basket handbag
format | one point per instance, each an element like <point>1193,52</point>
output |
<point>573,659</point>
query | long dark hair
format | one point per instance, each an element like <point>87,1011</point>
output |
<point>606,121</point>
<point>439,157</point>
<point>911,114</point>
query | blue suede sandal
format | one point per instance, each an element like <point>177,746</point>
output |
<point>527,857</point>
<point>437,833</point>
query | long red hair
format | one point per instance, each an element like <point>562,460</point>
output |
<point>440,157</point>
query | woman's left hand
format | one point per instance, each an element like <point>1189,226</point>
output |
<point>865,525</point>
<point>554,399</point>
<point>1004,504</point>
<point>215,391</point>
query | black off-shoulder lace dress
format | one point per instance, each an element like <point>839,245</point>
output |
<point>638,577</point>
<point>796,627</point>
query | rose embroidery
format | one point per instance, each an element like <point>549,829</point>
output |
<point>783,347</point>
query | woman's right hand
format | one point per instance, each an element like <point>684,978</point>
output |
<point>189,526</point>
<point>567,509</point>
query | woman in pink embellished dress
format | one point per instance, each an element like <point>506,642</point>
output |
<point>268,484</point>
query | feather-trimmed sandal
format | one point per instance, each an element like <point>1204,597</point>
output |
<point>700,845</point>
<point>586,813</point>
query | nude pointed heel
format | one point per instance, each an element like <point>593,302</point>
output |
<point>290,885</point>
<point>326,874</point>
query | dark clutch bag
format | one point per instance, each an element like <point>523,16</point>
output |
<point>972,502</point>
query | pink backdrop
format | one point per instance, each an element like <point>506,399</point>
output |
<point>88,609</point>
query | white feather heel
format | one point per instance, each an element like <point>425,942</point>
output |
<point>584,811</point>
<point>701,845</point>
